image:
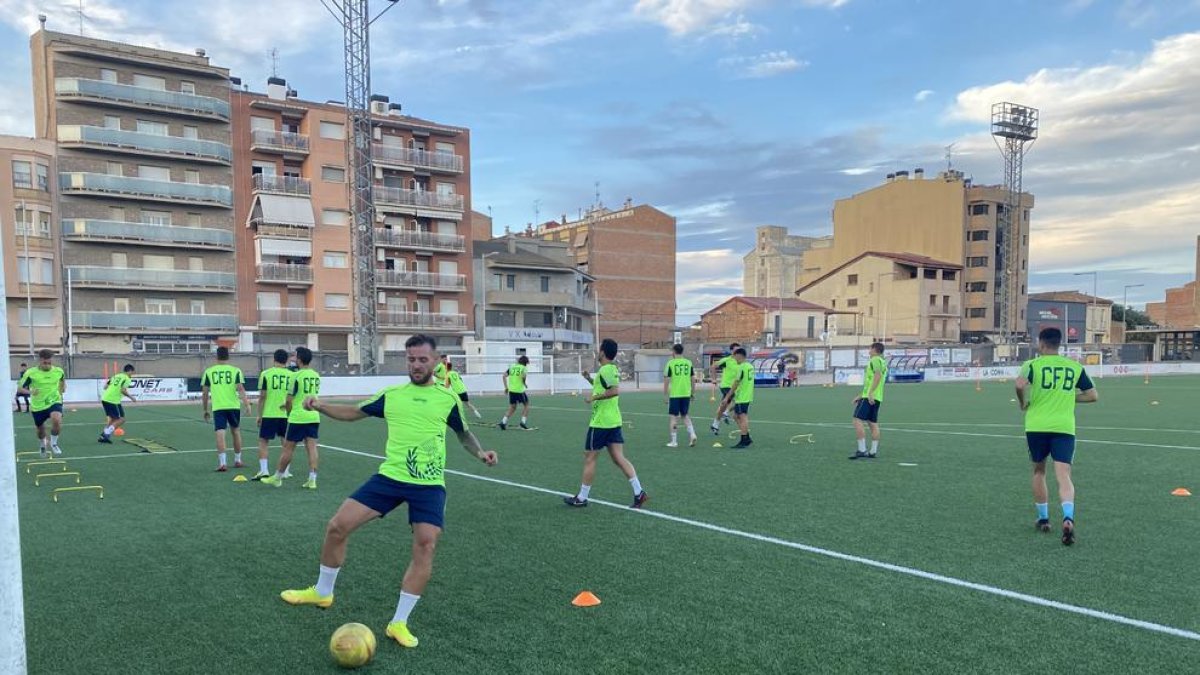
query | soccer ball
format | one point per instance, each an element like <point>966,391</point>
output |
<point>352,645</point>
<point>119,432</point>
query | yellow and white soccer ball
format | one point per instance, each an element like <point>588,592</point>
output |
<point>352,645</point>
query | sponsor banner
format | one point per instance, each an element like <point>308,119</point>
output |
<point>939,355</point>
<point>962,356</point>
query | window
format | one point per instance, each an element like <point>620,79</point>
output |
<point>268,300</point>
<point>447,267</point>
<point>42,316</point>
<point>334,217</point>
<point>333,131</point>
<point>196,263</point>
<point>1022,289</point>
<point>833,304</point>
<point>932,300</point>
<point>949,275</point>
<point>337,301</point>
<point>186,87</point>
<point>156,217</point>
<point>197,306</point>
<point>114,169</point>
<point>116,213</point>
<point>333,174</point>
<point>980,209</point>
<point>154,128</point>
<point>1024,240</point>
<point>871,310</point>
<point>22,174</point>
<point>977,287</point>
<point>976,312</point>
<point>931,274</point>
<point>445,147</point>
<point>335,260</point>
<point>191,133</point>
<point>979,235</point>
<point>545,284</point>
<point>264,168</point>
<point>852,280</point>
<point>852,302</point>
<point>112,122</point>
<point>871,287</point>
<point>502,318</point>
<point>43,177</point>
<point>121,305</point>
<point>120,260</point>
<point>932,326</point>
<point>977,261</point>
<point>149,82</point>
<point>160,305</point>
<point>193,220</point>
<point>538,319</point>
<point>154,172</point>
<point>108,75</point>
<point>510,281</point>
<point>191,176</point>
<point>158,262</point>
<point>445,188</point>
<point>448,306</point>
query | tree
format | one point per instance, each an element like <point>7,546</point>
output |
<point>1132,317</point>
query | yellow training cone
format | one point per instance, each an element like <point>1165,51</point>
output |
<point>718,445</point>
<point>239,478</point>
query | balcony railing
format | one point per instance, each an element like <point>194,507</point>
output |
<point>145,189</point>
<point>282,273</point>
<point>394,319</point>
<point>141,97</point>
<point>529,296</point>
<point>440,161</point>
<point>145,144</point>
<point>420,280</point>
<point>288,185</point>
<point>267,140</point>
<point>942,310</point>
<point>418,198</point>
<point>266,229</point>
<point>412,239</point>
<point>138,277</point>
<point>285,315</point>
<point>147,233</point>
<point>223,323</point>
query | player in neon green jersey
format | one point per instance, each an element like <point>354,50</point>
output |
<point>274,383</point>
<point>604,429</point>
<point>679,389</point>
<point>225,386</point>
<point>515,380</point>
<point>741,395</point>
<point>440,370</point>
<point>303,425</point>
<point>455,385</point>
<point>1048,388</point>
<point>413,471</point>
<point>45,385</point>
<point>115,390</point>
<point>866,404</point>
<point>727,367</point>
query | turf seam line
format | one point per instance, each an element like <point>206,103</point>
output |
<point>900,569</point>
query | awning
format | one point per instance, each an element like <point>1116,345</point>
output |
<point>283,210</point>
<point>440,215</point>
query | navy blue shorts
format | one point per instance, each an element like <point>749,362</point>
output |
<point>518,399</point>
<point>1043,444</point>
<point>299,432</point>
<point>227,418</point>
<point>867,412</point>
<point>426,503</point>
<point>599,439</point>
<point>273,427</point>
<point>679,406</point>
<point>40,416</point>
<point>113,410</point>
<point>725,392</point>
<point>741,408</point>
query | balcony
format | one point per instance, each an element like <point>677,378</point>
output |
<point>417,199</point>
<point>525,297</point>
<point>151,279</point>
<point>141,98</point>
<point>157,323</point>
<point>147,234</point>
<point>943,310</point>
<point>285,316</point>
<point>422,320</point>
<point>276,231</point>
<point>135,143</point>
<point>422,241</point>
<point>144,189</point>
<point>390,155</point>
<point>284,185</point>
<point>281,142</point>
<point>279,273</point>
<point>421,281</point>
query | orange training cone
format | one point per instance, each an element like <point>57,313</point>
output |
<point>586,599</point>
<point>1178,492</point>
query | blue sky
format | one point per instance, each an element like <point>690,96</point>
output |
<point>736,113</point>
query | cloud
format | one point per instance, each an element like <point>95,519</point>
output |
<point>922,95</point>
<point>682,17</point>
<point>767,64</point>
<point>706,278</point>
<point>737,29</point>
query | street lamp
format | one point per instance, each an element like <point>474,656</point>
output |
<point>1095,277</point>
<point>1125,303</point>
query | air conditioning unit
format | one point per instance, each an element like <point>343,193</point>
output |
<point>378,173</point>
<point>379,107</point>
<point>382,298</point>
<point>379,255</point>
<point>377,134</point>
<point>380,218</point>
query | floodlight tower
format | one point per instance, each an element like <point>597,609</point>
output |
<point>356,25</point>
<point>1014,128</point>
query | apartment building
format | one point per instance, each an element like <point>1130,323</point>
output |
<point>145,199</point>
<point>1180,307</point>
<point>764,320</point>
<point>946,219</point>
<point>773,268</point>
<point>32,280</point>
<point>630,252</point>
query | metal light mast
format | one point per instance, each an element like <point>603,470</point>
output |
<point>1014,128</point>
<point>353,15</point>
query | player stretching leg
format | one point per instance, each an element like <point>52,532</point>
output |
<point>728,369</point>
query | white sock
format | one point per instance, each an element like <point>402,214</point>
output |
<point>54,440</point>
<point>237,457</point>
<point>108,430</point>
<point>279,475</point>
<point>326,579</point>
<point>504,420</point>
<point>523,420</point>
<point>584,491</point>
<point>405,606</point>
<point>637,486</point>
<point>716,421</point>
<point>862,446</point>
<point>46,442</point>
<point>691,429</point>
<point>221,459</point>
<point>874,447</point>
<point>262,466</point>
<point>312,475</point>
<point>674,437</point>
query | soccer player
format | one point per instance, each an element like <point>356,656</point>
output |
<point>741,395</point>
<point>274,383</point>
<point>1048,388</point>
<point>680,379</point>
<point>604,429</point>
<point>19,395</point>
<point>115,390</point>
<point>514,385</point>
<point>866,404</point>
<point>45,386</point>
<point>413,471</point>
<point>226,386</point>
<point>455,384</point>
<point>440,371</point>
<point>727,368</point>
<point>303,424</point>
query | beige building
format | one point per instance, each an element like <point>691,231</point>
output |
<point>895,297</point>
<point>946,219</point>
<point>32,278</point>
<point>757,320</point>
<point>1181,306</point>
<point>773,268</point>
<point>1098,324</point>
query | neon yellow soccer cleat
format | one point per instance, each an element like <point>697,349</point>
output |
<point>310,484</point>
<point>271,480</point>
<point>398,631</point>
<point>307,596</point>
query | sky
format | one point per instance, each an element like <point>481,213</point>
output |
<point>730,114</point>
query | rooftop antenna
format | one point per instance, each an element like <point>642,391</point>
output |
<point>80,13</point>
<point>274,62</point>
<point>599,204</point>
<point>950,157</point>
<point>537,212</point>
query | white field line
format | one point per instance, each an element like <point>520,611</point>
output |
<point>899,569</point>
<point>79,458</point>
